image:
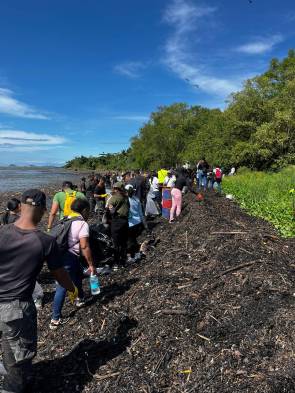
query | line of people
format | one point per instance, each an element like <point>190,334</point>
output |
<point>24,248</point>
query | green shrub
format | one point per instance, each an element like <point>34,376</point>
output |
<point>266,195</point>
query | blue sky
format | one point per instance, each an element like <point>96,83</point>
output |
<point>81,77</point>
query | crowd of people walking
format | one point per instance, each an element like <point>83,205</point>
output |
<point>119,205</point>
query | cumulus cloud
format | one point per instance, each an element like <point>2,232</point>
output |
<point>131,69</point>
<point>185,19</point>
<point>16,141</point>
<point>261,45</point>
<point>9,105</point>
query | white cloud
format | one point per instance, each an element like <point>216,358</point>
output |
<point>185,18</point>
<point>131,118</point>
<point>16,141</point>
<point>131,69</point>
<point>13,107</point>
<point>261,45</point>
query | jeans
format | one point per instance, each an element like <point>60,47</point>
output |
<point>18,329</point>
<point>218,183</point>
<point>199,178</point>
<point>72,265</point>
<point>203,180</point>
<point>211,183</point>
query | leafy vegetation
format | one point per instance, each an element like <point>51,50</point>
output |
<point>257,129</point>
<point>266,195</point>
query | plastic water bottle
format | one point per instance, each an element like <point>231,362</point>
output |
<point>94,285</point>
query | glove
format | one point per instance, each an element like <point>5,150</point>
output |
<point>73,295</point>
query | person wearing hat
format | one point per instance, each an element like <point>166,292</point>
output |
<point>23,250</point>
<point>118,206</point>
<point>61,200</point>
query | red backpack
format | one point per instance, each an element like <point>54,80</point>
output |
<point>218,174</point>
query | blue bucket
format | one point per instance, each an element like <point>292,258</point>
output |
<point>166,213</point>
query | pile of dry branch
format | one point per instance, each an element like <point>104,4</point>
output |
<point>211,309</point>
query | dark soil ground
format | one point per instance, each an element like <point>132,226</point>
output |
<point>210,310</point>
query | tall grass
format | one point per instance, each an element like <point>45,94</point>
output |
<point>266,195</point>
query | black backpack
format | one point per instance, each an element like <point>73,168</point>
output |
<point>61,232</point>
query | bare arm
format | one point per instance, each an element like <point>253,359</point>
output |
<point>63,278</point>
<point>53,213</point>
<point>86,251</point>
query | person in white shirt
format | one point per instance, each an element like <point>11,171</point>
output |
<point>170,180</point>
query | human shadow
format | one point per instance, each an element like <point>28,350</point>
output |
<point>76,369</point>
<point>109,293</point>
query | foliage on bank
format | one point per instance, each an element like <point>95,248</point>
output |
<point>266,195</point>
<point>256,130</point>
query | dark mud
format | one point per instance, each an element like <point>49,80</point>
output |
<point>210,310</point>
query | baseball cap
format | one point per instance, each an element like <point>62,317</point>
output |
<point>119,185</point>
<point>34,197</point>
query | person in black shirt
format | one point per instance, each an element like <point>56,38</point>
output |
<point>90,193</point>
<point>100,197</point>
<point>141,185</point>
<point>12,212</point>
<point>82,186</point>
<point>23,250</point>
<point>202,169</point>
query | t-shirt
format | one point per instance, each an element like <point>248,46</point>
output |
<point>170,181</point>
<point>60,198</point>
<point>122,202</point>
<point>100,190</point>
<point>155,184</point>
<point>78,230</point>
<point>22,254</point>
<point>181,182</point>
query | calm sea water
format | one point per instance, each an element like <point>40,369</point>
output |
<point>19,179</point>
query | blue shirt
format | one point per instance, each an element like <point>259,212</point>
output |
<point>135,212</point>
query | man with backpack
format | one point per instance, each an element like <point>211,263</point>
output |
<point>62,202</point>
<point>23,251</point>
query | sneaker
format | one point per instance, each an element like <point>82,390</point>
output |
<point>130,260</point>
<point>79,303</point>
<point>137,256</point>
<point>55,324</point>
<point>38,303</point>
<point>104,270</point>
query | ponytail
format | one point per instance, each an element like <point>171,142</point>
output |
<point>11,206</point>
